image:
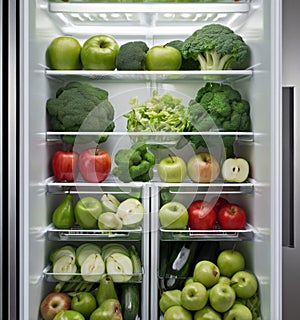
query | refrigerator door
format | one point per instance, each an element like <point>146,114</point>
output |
<point>291,82</point>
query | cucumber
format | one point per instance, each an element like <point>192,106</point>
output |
<point>179,264</point>
<point>130,301</point>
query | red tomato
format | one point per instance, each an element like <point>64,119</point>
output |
<point>64,165</point>
<point>232,217</point>
<point>202,216</point>
<point>94,164</point>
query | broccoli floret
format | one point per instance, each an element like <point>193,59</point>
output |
<point>218,107</point>
<point>131,56</point>
<point>80,107</point>
<point>217,47</point>
<point>186,64</point>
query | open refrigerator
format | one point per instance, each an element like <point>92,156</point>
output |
<point>33,24</point>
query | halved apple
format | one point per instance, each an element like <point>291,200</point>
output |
<point>235,170</point>
<point>119,266</point>
<point>92,268</point>
<point>63,268</point>
<point>109,203</point>
<point>84,250</point>
<point>131,212</point>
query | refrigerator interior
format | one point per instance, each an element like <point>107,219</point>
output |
<point>258,25</point>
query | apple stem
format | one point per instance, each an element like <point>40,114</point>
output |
<point>171,158</point>
<point>234,247</point>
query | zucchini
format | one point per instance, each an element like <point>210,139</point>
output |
<point>179,264</point>
<point>130,301</point>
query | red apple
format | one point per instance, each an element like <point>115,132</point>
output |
<point>53,303</point>
<point>202,216</point>
<point>94,164</point>
<point>203,167</point>
<point>64,165</point>
<point>217,203</point>
<point>232,217</point>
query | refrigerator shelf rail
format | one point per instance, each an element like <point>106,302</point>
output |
<point>77,234</point>
<point>136,76</point>
<point>216,234</point>
<point>51,276</point>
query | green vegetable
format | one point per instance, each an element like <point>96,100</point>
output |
<point>217,47</point>
<point>186,63</point>
<point>131,56</point>
<point>81,107</point>
<point>130,301</point>
<point>164,113</point>
<point>218,107</point>
<point>134,164</point>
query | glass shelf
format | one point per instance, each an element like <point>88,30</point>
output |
<point>77,234</point>
<point>212,235</point>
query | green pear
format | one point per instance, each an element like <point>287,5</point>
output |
<point>63,216</point>
<point>106,289</point>
<point>110,309</point>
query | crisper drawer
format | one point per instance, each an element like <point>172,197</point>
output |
<point>179,246</point>
<point>119,257</point>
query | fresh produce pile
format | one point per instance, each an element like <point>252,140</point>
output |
<point>81,107</point>
<point>134,164</point>
<point>107,213</point>
<point>83,300</point>
<point>213,47</point>
<point>91,261</point>
<point>202,215</point>
<point>199,282</point>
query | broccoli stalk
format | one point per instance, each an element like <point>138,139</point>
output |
<point>217,47</point>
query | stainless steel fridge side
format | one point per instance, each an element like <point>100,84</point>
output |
<point>291,82</point>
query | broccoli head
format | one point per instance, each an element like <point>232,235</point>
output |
<point>218,107</point>
<point>186,64</point>
<point>131,56</point>
<point>80,107</point>
<point>217,47</point>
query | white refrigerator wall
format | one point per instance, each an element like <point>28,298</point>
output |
<point>37,29</point>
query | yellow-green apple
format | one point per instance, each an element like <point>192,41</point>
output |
<point>203,167</point>
<point>207,273</point>
<point>109,221</point>
<point>53,303</point>
<point>238,312</point>
<point>172,169</point>
<point>173,215</point>
<point>119,266</point>
<point>169,298</point>
<point>244,284</point>
<point>84,302</point>
<point>162,57</point>
<point>99,53</point>
<point>109,202</point>
<point>221,297</point>
<point>202,216</point>
<point>235,170</point>
<point>230,261</point>
<point>63,53</point>
<point>207,313</point>
<point>177,313</point>
<point>92,268</point>
<point>194,296</point>
<point>87,211</point>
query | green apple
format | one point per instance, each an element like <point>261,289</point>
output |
<point>194,296</point>
<point>109,221</point>
<point>109,203</point>
<point>131,212</point>
<point>84,302</point>
<point>172,169</point>
<point>207,273</point>
<point>99,53</point>
<point>188,280</point>
<point>225,280</point>
<point>110,309</point>
<point>235,170</point>
<point>162,57</point>
<point>63,53</point>
<point>238,312</point>
<point>173,215</point>
<point>169,298</point>
<point>221,297</point>
<point>111,248</point>
<point>230,261</point>
<point>64,268</point>
<point>177,313</point>
<point>87,211</point>
<point>69,315</point>
<point>244,283</point>
<point>203,167</point>
<point>207,313</point>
